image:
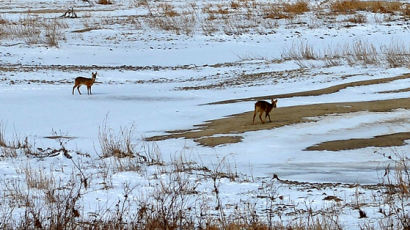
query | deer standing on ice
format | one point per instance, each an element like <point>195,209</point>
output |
<point>263,106</point>
<point>85,81</point>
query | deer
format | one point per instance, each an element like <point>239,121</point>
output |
<point>85,81</point>
<point>263,106</point>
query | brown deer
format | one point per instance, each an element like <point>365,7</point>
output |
<point>84,81</point>
<point>263,106</point>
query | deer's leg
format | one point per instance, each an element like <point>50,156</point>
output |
<point>78,88</point>
<point>260,116</point>
<point>74,88</point>
<point>267,115</point>
<point>254,114</point>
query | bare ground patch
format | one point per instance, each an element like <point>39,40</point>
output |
<point>214,141</point>
<point>395,139</point>
<point>328,90</point>
<point>241,123</point>
<point>396,91</point>
<point>205,133</point>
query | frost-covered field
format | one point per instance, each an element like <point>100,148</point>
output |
<point>161,66</point>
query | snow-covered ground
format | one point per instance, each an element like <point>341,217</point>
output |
<point>142,73</point>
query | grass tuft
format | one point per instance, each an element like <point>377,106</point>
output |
<point>298,7</point>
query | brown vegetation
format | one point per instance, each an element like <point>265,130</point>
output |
<point>351,6</point>
<point>395,139</point>
<point>34,30</point>
<point>175,200</point>
<point>285,10</point>
<point>298,7</point>
<point>104,2</point>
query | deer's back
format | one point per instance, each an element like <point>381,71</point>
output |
<point>84,81</point>
<point>263,105</point>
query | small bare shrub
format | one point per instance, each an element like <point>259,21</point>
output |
<point>38,179</point>
<point>14,193</point>
<point>2,135</point>
<point>406,10</point>
<point>364,52</point>
<point>139,3</point>
<point>358,19</point>
<point>299,52</point>
<point>29,28</point>
<point>105,173</point>
<point>397,55</point>
<point>116,144</point>
<point>12,147</point>
<point>3,21</point>
<point>53,32</point>
<point>121,145</point>
<point>126,164</point>
<point>269,192</point>
<point>235,5</point>
<point>167,10</point>
<point>394,202</point>
<point>6,216</point>
<point>60,212</point>
<point>171,204</point>
<point>44,204</point>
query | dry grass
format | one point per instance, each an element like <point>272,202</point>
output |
<point>53,33</point>
<point>116,144</point>
<point>167,10</point>
<point>299,7</point>
<point>352,6</point>
<point>38,178</point>
<point>406,10</point>
<point>34,30</point>
<point>358,53</point>
<point>394,201</point>
<point>364,52</point>
<point>302,51</point>
<point>397,55</point>
<point>238,17</point>
<point>3,142</point>
<point>125,164</point>
<point>175,200</point>
<point>275,12</point>
<point>121,144</point>
<point>285,10</point>
<point>164,17</point>
<point>358,19</point>
<point>182,25</point>
<point>140,3</point>
<point>11,147</point>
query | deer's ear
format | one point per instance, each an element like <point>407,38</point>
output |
<point>276,100</point>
